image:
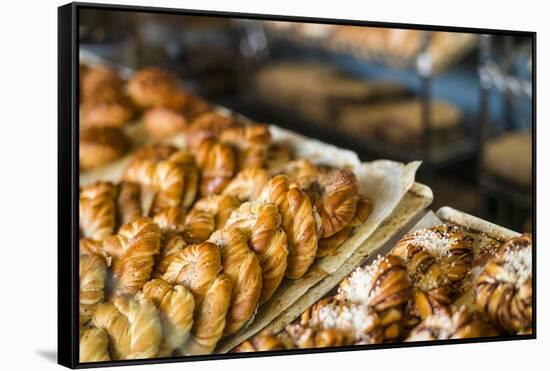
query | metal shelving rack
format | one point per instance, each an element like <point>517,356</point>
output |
<point>509,196</point>
<point>435,155</point>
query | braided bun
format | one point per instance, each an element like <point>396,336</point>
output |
<point>197,267</point>
<point>504,288</point>
<point>241,265</point>
<point>298,222</point>
<point>251,142</point>
<point>437,259</point>
<point>94,345</point>
<point>447,324</point>
<point>247,184</point>
<point>133,250</point>
<point>217,164</point>
<point>176,306</point>
<point>133,325</point>
<point>92,274</point>
<point>97,210</point>
<point>262,222</point>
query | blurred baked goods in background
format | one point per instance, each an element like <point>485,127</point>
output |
<point>361,108</point>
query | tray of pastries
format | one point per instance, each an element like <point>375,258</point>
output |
<point>453,276</point>
<point>199,227</point>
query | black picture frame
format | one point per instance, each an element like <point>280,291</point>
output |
<point>68,180</point>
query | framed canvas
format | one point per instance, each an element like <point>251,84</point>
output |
<point>242,185</point>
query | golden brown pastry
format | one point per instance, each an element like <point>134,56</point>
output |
<point>262,342</point>
<point>315,337</point>
<point>133,250</point>
<point>329,245</point>
<point>171,219</point>
<point>437,259</point>
<point>207,215</point>
<point>99,81</point>
<point>360,323</point>
<point>128,202</point>
<point>176,306</point>
<point>162,122</point>
<point>384,286</point>
<point>446,324</point>
<point>133,325</point>
<point>198,268</point>
<point>172,244</point>
<point>211,318</point>
<point>92,274</point>
<point>101,145</point>
<point>208,125</point>
<point>277,155</point>
<point>335,196</point>
<point>154,152</point>
<point>247,184</point>
<point>94,345</point>
<point>504,288</point>
<point>217,164</point>
<point>111,110</point>
<point>174,179</point>
<point>241,265</point>
<point>251,142</point>
<point>152,87</point>
<point>298,222</point>
<point>97,210</point>
<point>262,223</point>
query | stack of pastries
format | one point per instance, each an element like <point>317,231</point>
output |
<point>185,247</point>
<point>409,295</point>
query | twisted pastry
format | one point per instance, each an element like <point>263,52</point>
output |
<point>208,214</point>
<point>151,87</point>
<point>154,152</point>
<point>247,184</point>
<point>329,245</point>
<point>217,164</point>
<point>241,265</point>
<point>92,273</point>
<point>133,250</point>
<point>171,219</point>
<point>133,326</point>
<point>198,267</point>
<point>128,202</point>
<point>446,324</point>
<point>504,288</point>
<point>97,210</point>
<point>298,222</point>
<point>335,196</point>
<point>94,345</point>
<point>176,306</point>
<point>383,286</point>
<point>174,179</point>
<point>437,260</point>
<point>252,143</point>
<point>262,222</point>
<point>172,245</point>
